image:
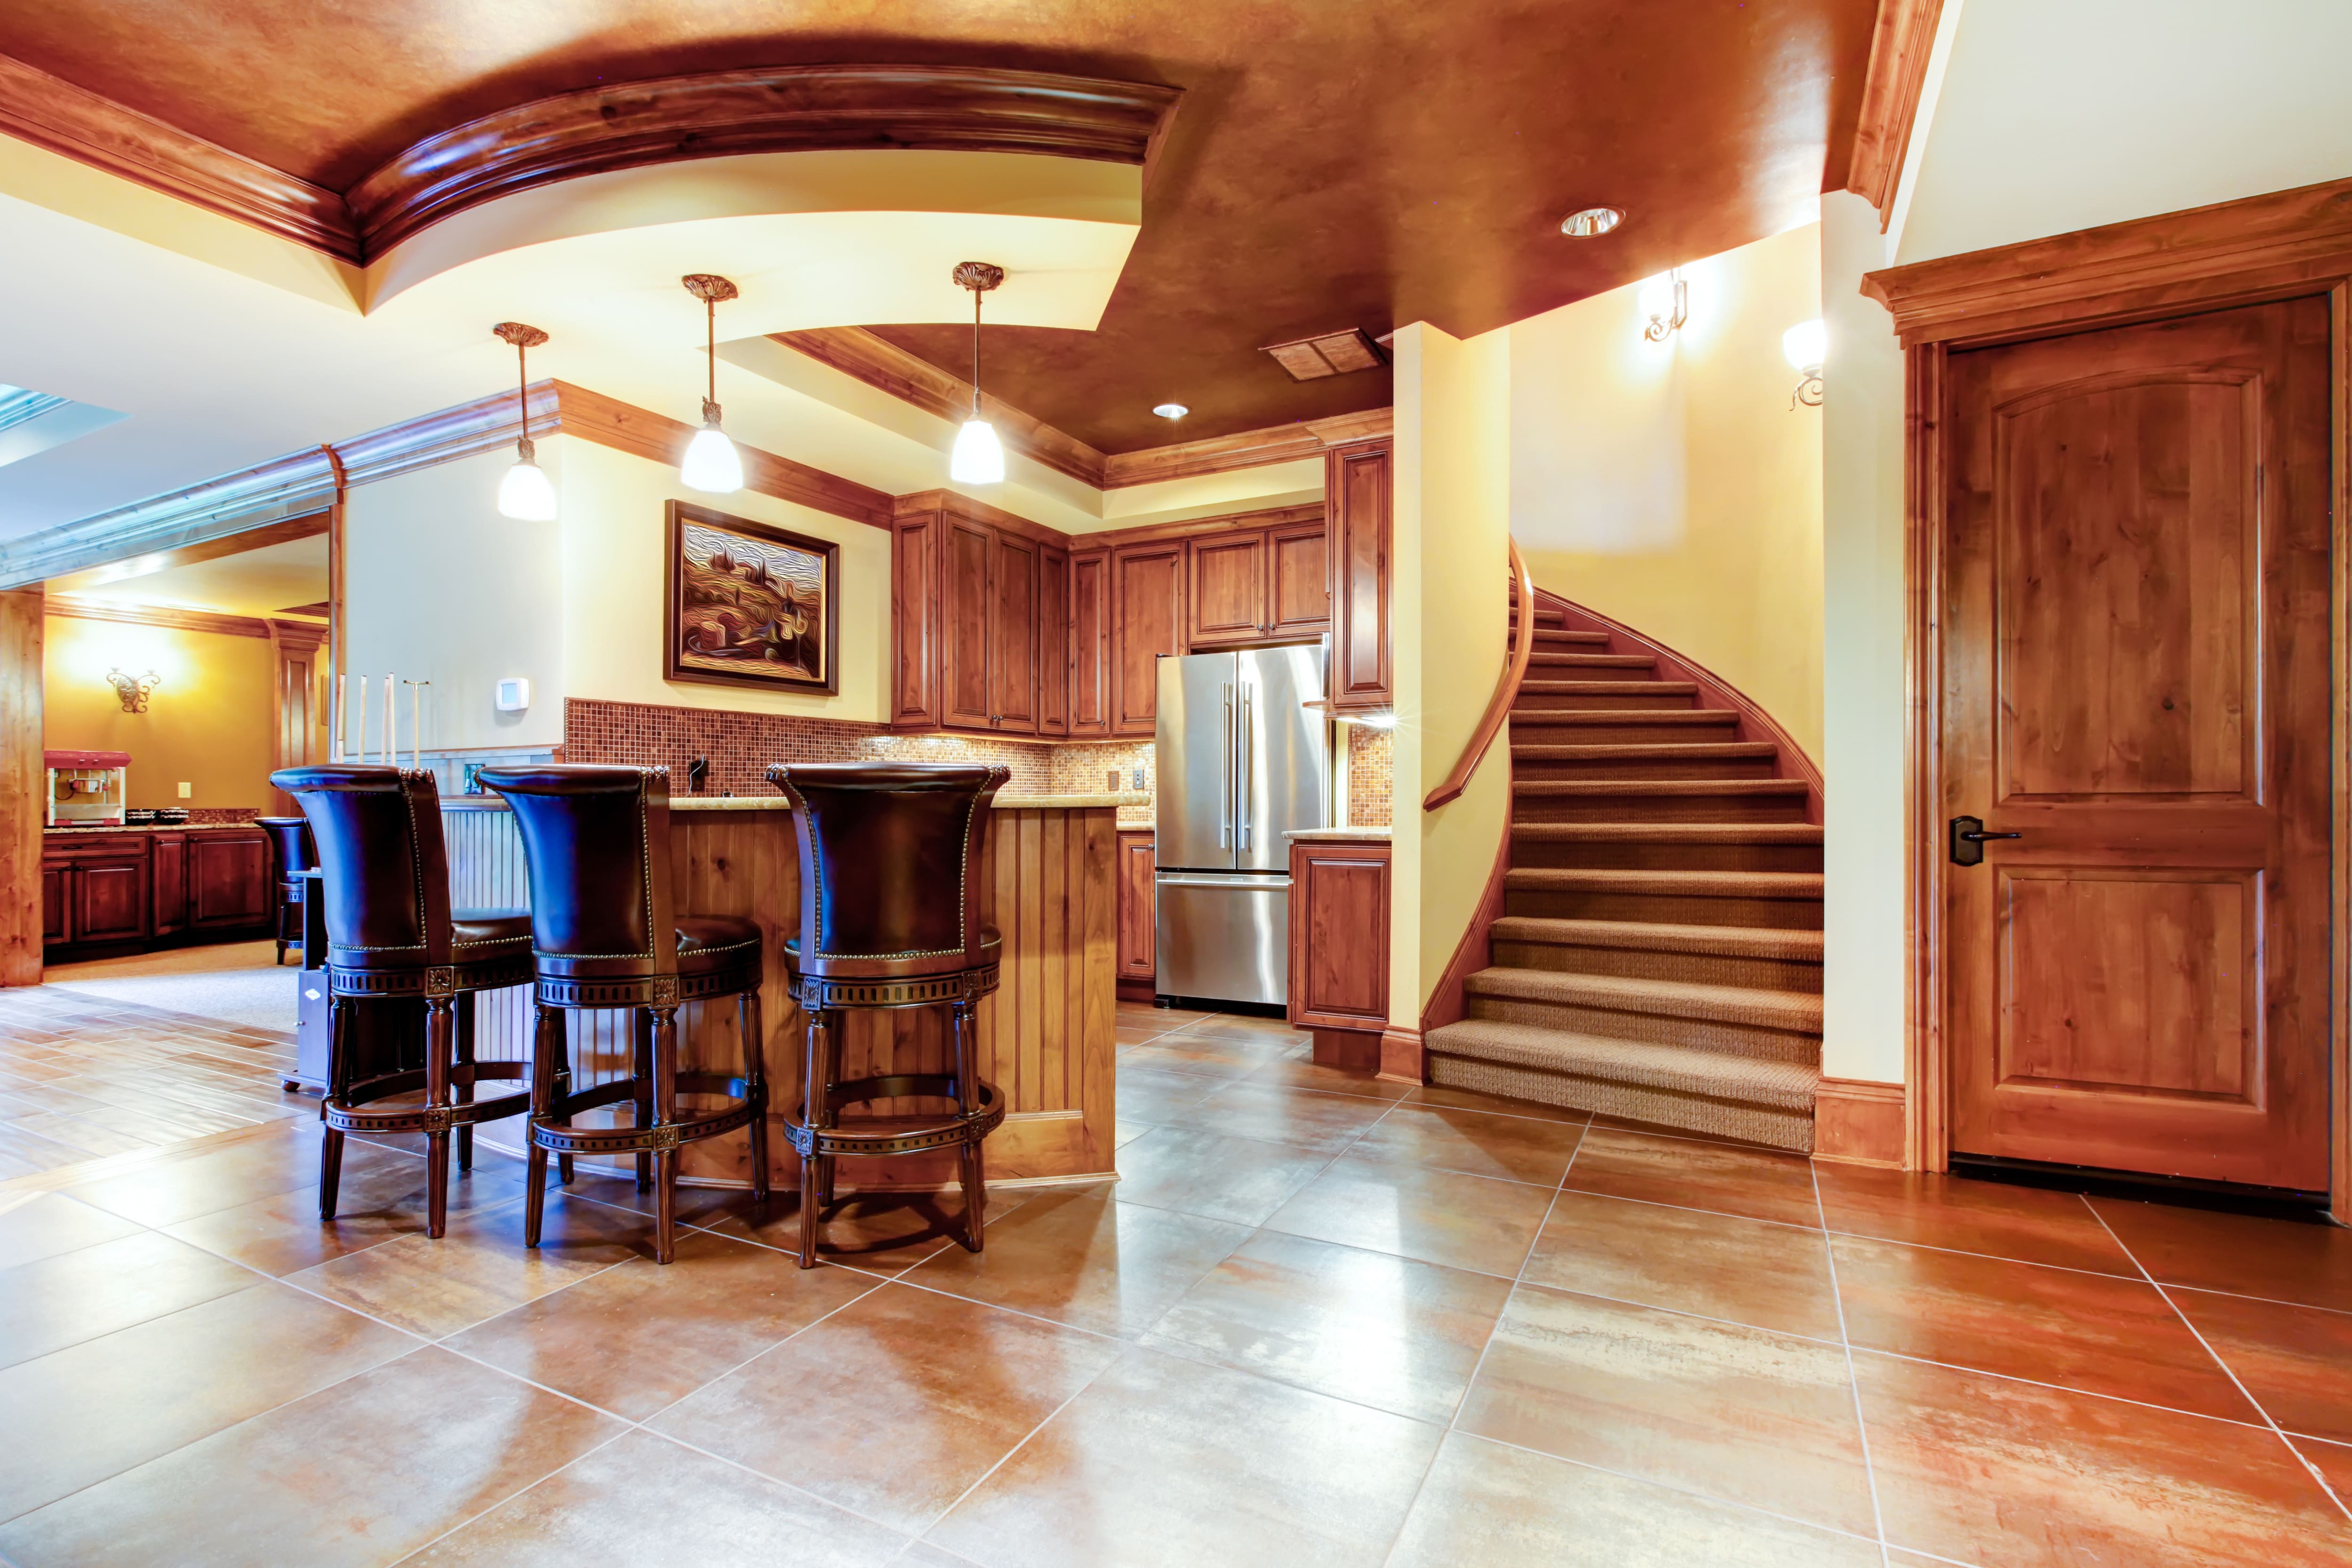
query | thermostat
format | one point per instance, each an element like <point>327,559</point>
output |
<point>514,696</point>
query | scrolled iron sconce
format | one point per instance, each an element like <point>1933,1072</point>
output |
<point>133,692</point>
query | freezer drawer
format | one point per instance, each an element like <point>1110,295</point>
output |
<point>1225,937</point>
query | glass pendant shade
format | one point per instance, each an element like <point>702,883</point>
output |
<point>978,458</point>
<point>712,465</point>
<point>526,494</point>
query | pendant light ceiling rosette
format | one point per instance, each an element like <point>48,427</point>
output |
<point>978,458</point>
<point>525,493</point>
<point>712,465</point>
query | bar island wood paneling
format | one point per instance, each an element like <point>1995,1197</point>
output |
<point>1046,1036</point>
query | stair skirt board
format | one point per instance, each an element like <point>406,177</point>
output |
<point>1768,1125</point>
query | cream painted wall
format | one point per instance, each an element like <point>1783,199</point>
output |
<point>208,724</point>
<point>1450,606</point>
<point>1670,485</point>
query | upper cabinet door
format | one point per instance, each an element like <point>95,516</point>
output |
<point>1298,581</point>
<point>1089,656</point>
<point>963,627</point>
<point>1356,502</point>
<point>1148,612</point>
<point>1048,638</point>
<point>1012,632</point>
<point>915,622</point>
<point>1228,589</point>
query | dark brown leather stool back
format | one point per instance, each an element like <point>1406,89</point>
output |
<point>292,835</point>
<point>392,937</point>
<point>604,935</point>
<point>890,918</point>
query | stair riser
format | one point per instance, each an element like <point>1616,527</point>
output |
<point>1642,963</point>
<point>1756,1123</point>
<point>1781,914</point>
<point>1528,730</point>
<point>1554,638</point>
<point>1537,770</point>
<point>1591,857</point>
<point>1654,1028</point>
<point>1542,659</point>
<point>1599,702</point>
<point>1634,806</point>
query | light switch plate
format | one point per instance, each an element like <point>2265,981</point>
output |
<point>187,791</point>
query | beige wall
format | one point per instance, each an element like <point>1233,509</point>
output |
<point>1670,485</point>
<point>208,724</point>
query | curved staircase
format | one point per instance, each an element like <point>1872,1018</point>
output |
<point>1658,956</point>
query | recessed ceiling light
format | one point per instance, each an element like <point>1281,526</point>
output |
<point>1591,221</point>
<point>1171,410</point>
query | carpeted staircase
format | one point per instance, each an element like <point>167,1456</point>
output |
<point>1659,953</point>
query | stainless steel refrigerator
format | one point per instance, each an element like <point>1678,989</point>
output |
<point>1242,761</point>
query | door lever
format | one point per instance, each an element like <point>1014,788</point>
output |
<point>1968,840</point>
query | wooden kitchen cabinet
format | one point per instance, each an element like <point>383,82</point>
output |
<point>1051,643</point>
<point>168,883</point>
<point>1256,585</point>
<point>1298,581</point>
<point>1147,624</point>
<point>1139,927</point>
<point>1090,670</point>
<point>1340,947</point>
<point>229,885</point>
<point>112,891</point>
<point>1356,501</point>
<point>980,608</point>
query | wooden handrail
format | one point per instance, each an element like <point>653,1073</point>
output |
<point>1506,690</point>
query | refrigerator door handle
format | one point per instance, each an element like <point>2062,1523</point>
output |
<point>1242,787</point>
<point>1225,818</point>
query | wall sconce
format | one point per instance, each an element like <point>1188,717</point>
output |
<point>1666,300</point>
<point>134,693</point>
<point>1807,346</point>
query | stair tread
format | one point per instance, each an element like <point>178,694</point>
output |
<point>1611,687</point>
<point>1687,1069</point>
<point>1660,936</point>
<point>1721,884</point>
<point>1572,716</point>
<point>1661,751</point>
<point>1798,1010</point>
<point>1592,660</point>
<point>1670,832</point>
<point>1658,786</point>
<point>1556,635</point>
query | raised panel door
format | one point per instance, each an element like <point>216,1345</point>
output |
<point>1228,594</point>
<point>2136,684</point>
<point>170,883</point>
<point>1298,577</point>
<point>1013,633</point>
<point>1089,655</point>
<point>1338,936</point>
<point>1147,622</point>
<point>110,899</point>
<point>915,622</point>
<point>56,904</point>
<point>1356,502</point>
<point>1138,915</point>
<point>1052,641</point>
<point>963,625</point>
<point>228,881</point>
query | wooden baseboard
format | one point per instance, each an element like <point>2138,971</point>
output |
<point>1135,991</point>
<point>1858,1122</point>
<point>1355,1051</point>
<point>1402,1060</point>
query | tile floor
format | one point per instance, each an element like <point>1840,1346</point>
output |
<point>1321,1319</point>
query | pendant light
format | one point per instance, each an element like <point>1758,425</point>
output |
<point>979,457</point>
<point>712,465</point>
<point>525,494</point>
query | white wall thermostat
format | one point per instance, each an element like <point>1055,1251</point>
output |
<point>514,696</point>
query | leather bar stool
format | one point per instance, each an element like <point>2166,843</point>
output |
<point>292,836</point>
<point>890,918</point>
<point>392,937</point>
<point>605,936</point>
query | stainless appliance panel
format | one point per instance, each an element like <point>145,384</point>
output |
<point>1283,765</point>
<point>1225,937</point>
<point>1196,745</point>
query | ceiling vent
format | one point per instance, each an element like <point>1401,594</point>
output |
<point>1333,354</point>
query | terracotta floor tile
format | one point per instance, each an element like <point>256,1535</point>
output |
<point>2091,1331</point>
<point>1726,1178</point>
<point>282,1160</point>
<point>1512,1148</point>
<point>646,1502</point>
<point>637,1338</point>
<point>1275,1114</point>
<point>1714,1265</point>
<point>895,1405</point>
<point>34,1225</point>
<point>466,1436</point>
<point>480,1267</point>
<point>1162,1463</point>
<point>880,1233</point>
<point>1246,1027</point>
<point>1386,1331</point>
<point>2334,1461</point>
<point>1202,1055</point>
<point>1441,1098</point>
<point>1151,1094</point>
<point>95,1409</point>
<point>1656,1128</point>
<point>2286,1261</point>
<point>75,1295</point>
<point>1081,1257</point>
<point>1437,1217</point>
<point>283,1234</point>
<point>1989,1470</point>
<point>2295,1361</point>
<point>1238,1180</point>
<point>1736,1412</point>
<point>1966,1216</point>
<point>1303,1072</point>
<point>1498,1507</point>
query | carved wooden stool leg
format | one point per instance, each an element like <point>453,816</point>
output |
<point>816,1078</point>
<point>755,1079</point>
<point>562,1087</point>
<point>338,1083</point>
<point>438,1048</point>
<point>642,1066</point>
<point>665,1088</point>
<point>546,1053</point>
<point>463,1079</point>
<point>967,1082</point>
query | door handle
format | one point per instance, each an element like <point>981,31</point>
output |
<point>1968,838</point>
<point>1225,818</point>
<point>1244,807</point>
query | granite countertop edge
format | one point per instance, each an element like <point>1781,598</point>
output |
<point>94,830</point>
<point>778,803</point>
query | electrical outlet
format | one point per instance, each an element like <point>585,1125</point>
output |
<point>187,791</point>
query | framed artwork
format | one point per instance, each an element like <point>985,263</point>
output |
<point>750,604</point>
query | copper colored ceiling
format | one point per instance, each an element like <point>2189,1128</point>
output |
<point>1362,163</point>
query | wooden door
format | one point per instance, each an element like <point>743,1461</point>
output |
<point>963,627</point>
<point>1139,929</point>
<point>168,897</point>
<point>110,899</point>
<point>228,881</point>
<point>1148,621</point>
<point>1051,639</point>
<point>2136,684</point>
<point>1356,502</point>
<point>1338,936</point>
<point>915,621</point>
<point>1227,590</point>
<point>1090,670</point>
<point>1013,633</point>
<point>1298,577</point>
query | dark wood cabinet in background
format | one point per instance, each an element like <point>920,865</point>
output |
<point>56,920</point>
<point>1090,654</point>
<point>229,885</point>
<point>169,883</point>
<point>111,892</point>
<point>1356,505</point>
<point>980,605</point>
<point>1139,929</point>
<point>1147,623</point>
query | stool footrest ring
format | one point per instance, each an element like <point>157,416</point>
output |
<point>810,1142</point>
<point>565,1138</point>
<point>348,1118</point>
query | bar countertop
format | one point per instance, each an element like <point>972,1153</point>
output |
<point>93,830</point>
<point>1337,834</point>
<point>778,803</point>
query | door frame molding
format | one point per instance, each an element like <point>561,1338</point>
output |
<point>2278,245</point>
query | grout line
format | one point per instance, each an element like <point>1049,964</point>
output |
<point>2232,1372</point>
<point>502,1502</point>
<point>1852,1382</point>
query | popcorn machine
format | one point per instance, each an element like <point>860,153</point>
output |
<point>86,788</point>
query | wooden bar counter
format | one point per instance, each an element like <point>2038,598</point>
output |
<point>1046,1036</point>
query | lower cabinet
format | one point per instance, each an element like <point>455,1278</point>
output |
<point>228,881</point>
<point>1340,947</point>
<point>114,890</point>
<point>1138,925</point>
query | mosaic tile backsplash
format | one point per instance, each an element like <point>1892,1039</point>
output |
<point>1370,761</point>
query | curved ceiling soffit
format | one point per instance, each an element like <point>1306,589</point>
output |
<point>603,130</point>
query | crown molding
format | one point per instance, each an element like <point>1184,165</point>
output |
<point>306,527</point>
<point>83,608</point>
<point>1899,47</point>
<point>1245,448</point>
